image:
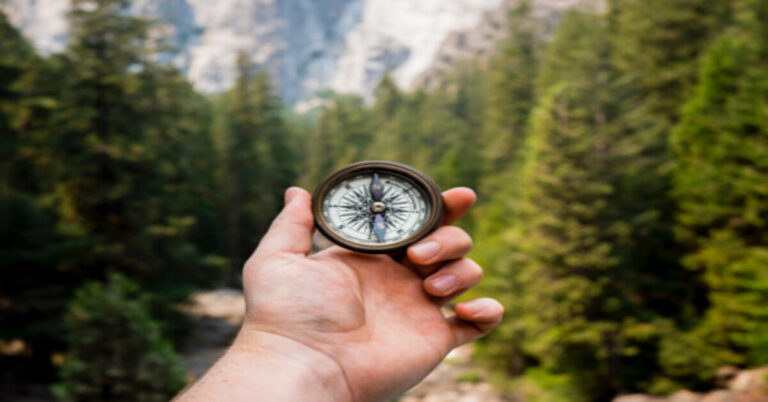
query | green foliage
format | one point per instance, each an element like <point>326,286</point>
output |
<point>721,148</point>
<point>341,136</point>
<point>573,318</point>
<point>469,376</point>
<point>657,43</point>
<point>107,167</point>
<point>587,266</point>
<point>255,142</point>
<point>688,357</point>
<point>510,95</point>
<point>539,385</point>
<point>121,122</point>
<point>35,256</point>
<point>656,50</point>
<point>115,350</point>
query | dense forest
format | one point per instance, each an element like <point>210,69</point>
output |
<point>621,164</point>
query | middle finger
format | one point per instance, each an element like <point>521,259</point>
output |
<point>445,244</point>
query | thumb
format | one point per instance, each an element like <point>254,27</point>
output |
<point>291,231</point>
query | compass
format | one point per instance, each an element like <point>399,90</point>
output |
<point>377,206</point>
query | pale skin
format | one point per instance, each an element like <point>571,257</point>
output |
<point>344,326</point>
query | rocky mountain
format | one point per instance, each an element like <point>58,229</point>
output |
<point>479,42</point>
<point>307,45</point>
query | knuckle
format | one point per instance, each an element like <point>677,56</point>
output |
<point>475,270</point>
<point>495,308</point>
<point>456,235</point>
<point>468,270</point>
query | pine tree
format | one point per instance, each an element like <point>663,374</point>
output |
<point>511,96</point>
<point>451,138</point>
<point>394,113</point>
<point>115,350</point>
<point>34,249</point>
<point>658,43</point>
<point>24,108</point>
<point>99,126</point>
<point>720,148</point>
<point>573,309</point>
<point>260,163</point>
<point>657,49</point>
<point>119,120</point>
<point>342,135</point>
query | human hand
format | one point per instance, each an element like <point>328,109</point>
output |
<point>362,327</point>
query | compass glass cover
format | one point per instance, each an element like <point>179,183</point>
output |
<point>351,211</point>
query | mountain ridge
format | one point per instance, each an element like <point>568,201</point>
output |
<point>306,45</point>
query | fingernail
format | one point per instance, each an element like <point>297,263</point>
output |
<point>474,307</point>
<point>290,192</point>
<point>444,283</point>
<point>425,251</point>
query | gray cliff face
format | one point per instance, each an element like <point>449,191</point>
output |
<point>479,43</point>
<point>314,40</point>
<point>298,41</point>
<point>306,45</point>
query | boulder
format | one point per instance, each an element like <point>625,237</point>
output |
<point>755,380</point>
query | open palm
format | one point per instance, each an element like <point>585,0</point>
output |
<point>379,320</point>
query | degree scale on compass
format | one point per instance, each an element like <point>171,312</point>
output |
<point>374,207</point>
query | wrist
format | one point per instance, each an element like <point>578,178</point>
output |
<point>315,370</point>
<point>265,366</point>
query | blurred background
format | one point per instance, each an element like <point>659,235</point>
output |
<point>619,149</point>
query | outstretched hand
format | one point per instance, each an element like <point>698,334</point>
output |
<point>348,326</point>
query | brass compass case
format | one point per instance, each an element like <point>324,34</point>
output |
<point>377,194</point>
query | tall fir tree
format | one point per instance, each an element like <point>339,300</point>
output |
<point>451,120</point>
<point>119,120</point>
<point>511,96</point>
<point>35,252</point>
<point>575,314</point>
<point>342,135</point>
<point>720,149</point>
<point>116,351</point>
<point>260,163</point>
<point>657,45</point>
<point>396,131</point>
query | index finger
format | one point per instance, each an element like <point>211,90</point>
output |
<point>457,202</point>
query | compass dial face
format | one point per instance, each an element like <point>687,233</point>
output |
<point>353,211</point>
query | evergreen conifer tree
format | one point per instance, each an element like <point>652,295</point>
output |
<point>32,244</point>
<point>511,95</point>
<point>342,135</point>
<point>115,350</point>
<point>720,149</point>
<point>120,118</point>
<point>260,163</point>
<point>575,311</point>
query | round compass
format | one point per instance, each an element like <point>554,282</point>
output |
<point>377,206</point>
